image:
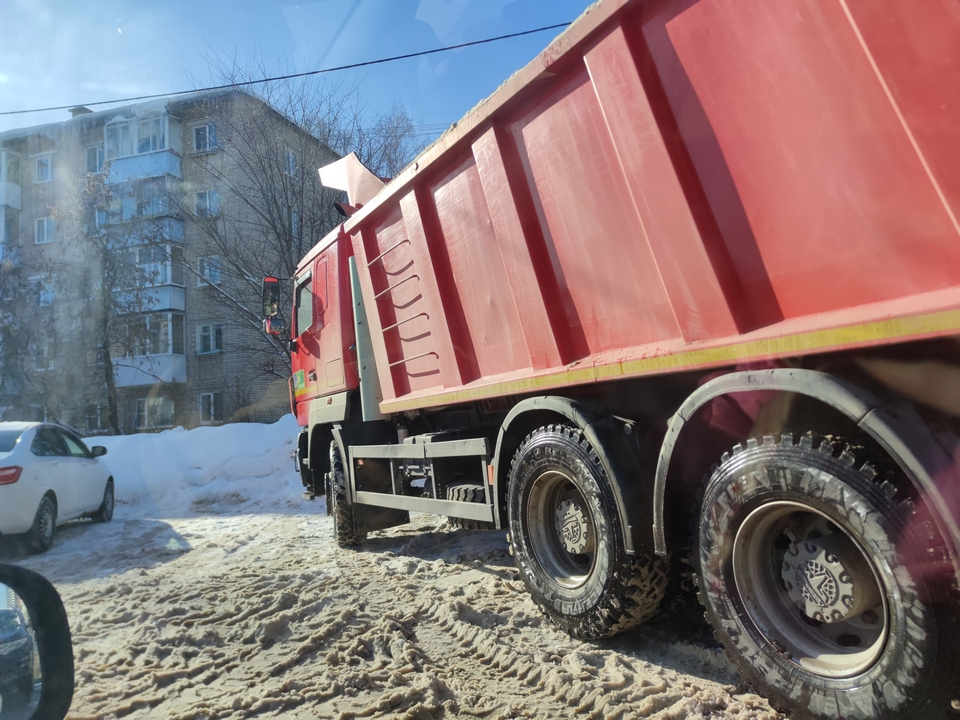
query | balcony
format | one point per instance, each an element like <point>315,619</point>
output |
<point>170,229</point>
<point>148,165</point>
<point>155,299</point>
<point>139,230</point>
<point>150,370</point>
<point>10,195</point>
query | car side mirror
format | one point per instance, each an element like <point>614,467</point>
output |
<point>98,451</point>
<point>36,652</point>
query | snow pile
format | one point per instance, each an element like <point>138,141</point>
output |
<point>208,469</point>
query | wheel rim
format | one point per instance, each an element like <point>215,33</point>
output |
<point>561,529</point>
<point>810,589</point>
<point>46,524</point>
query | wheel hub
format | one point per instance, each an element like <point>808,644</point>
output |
<point>829,581</point>
<point>573,528</point>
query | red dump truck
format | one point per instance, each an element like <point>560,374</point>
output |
<point>679,303</point>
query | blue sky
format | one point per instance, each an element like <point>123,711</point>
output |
<point>58,52</point>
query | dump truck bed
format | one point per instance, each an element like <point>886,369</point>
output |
<point>676,185</point>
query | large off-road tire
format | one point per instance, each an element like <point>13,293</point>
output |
<point>567,541</point>
<point>40,535</point>
<point>827,590</point>
<point>468,492</point>
<point>105,512</point>
<point>344,526</point>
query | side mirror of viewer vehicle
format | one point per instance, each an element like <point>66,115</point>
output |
<point>36,652</point>
<point>98,451</point>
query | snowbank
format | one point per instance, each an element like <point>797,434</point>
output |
<point>231,467</point>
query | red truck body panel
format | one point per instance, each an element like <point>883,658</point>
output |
<point>673,185</point>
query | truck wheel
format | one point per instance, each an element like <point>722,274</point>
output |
<point>567,541</point>
<point>467,492</point>
<point>820,582</point>
<point>40,535</point>
<point>343,521</point>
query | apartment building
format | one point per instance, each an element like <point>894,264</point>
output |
<point>201,195</point>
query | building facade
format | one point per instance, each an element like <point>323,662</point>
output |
<point>147,228</point>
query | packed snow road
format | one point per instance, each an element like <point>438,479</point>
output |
<point>217,592</point>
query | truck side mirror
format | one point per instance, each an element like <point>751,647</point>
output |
<point>271,297</point>
<point>274,326</point>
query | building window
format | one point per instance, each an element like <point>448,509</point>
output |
<point>154,412</point>
<point>209,339</point>
<point>97,416</point>
<point>208,203</point>
<point>43,350</point>
<point>155,265</point>
<point>45,168</point>
<point>157,334</point>
<point>127,137</point>
<point>210,407</point>
<point>44,231</point>
<point>291,162</point>
<point>41,290</point>
<point>151,200</point>
<point>150,136</point>
<point>205,137</point>
<point>119,139</point>
<point>208,271</point>
<point>295,224</point>
<point>95,159</point>
<point>13,169</point>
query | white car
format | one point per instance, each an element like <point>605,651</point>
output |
<point>48,477</point>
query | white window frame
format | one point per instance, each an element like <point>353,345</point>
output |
<point>101,158</point>
<point>214,335</point>
<point>46,159</point>
<point>129,129</point>
<point>102,412</point>
<point>215,410</point>
<point>11,161</point>
<point>48,234</point>
<point>208,146</point>
<point>291,166</point>
<point>142,407</point>
<point>159,136</point>
<point>45,295</point>
<point>166,341</point>
<point>207,203</point>
<point>209,271</point>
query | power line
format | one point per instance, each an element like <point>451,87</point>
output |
<point>291,76</point>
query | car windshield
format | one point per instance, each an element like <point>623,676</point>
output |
<point>9,620</point>
<point>612,365</point>
<point>9,439</point>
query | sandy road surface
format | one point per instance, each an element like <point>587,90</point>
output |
<point>238,612</point>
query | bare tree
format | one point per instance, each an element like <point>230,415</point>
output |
<point>85,308</point>
<point>270,207</point>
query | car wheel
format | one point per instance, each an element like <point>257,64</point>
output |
<point>819,580</point>
<point>105,512</point>
<point>567,543</point>
<point>40,535</point>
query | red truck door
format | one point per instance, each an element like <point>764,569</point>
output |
<point>318,364</point>
<point>309,304</point>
